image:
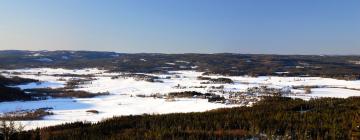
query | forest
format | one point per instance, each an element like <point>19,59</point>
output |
<point>332,66</point>
<point>271,118</point>
<point>12,94</point>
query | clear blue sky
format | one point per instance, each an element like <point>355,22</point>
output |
<point>183,26</point>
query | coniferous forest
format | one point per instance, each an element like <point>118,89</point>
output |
<point>179,70</point>
<point>271,118</point>
<point>12,94</point>
<point>330,66</point>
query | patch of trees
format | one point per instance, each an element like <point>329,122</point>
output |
<point>220,80</point>
<point>43,93</point>
<point>8,129</point>
<point>77,94</point>
<point>88,76</point>
<point>93,111</point>
<point>216,98</point>
<point>12,94</point>
<point>188,94</point>
<point>35,114</point>
<point>15,81</point>
<point>193,94</point>
<point>75,82</point>
<point>271,118</point>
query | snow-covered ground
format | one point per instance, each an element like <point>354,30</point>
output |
<point>123,100</point>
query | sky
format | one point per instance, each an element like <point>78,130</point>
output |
<point>182,26</point>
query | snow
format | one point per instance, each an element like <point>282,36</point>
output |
<point>36,54</point>
<point>334,92</point>
<point>40,85</point>
<point>123,100</point>
<point>181,61</point>
<point>282,72</point>
<point>57,104</point>
<point>45,60</point>
<point>51,71</point>
<point>115,55</point>
<point>65,57</point>
<point>355,62</point>
<point>170,63</point>
<point>71,110</point>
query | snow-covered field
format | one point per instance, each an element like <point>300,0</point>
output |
<point>123,98</point>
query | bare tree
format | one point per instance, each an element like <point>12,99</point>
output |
<point>8,128</point>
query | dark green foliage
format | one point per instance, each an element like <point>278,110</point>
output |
<point>12,94</point>
<point>15,81</point>
<point>216,98</point>
<point>221,81</point>
<point>273,117</point>
<point>77,94</point>
<point>185,94</point>
<point>62,93</point>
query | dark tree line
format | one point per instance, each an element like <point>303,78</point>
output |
<point>340,67</point>
<point>15,80</point>
<point>11,94</point>
<point>271,118</point>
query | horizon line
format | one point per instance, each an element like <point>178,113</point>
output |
<point>300,54</point>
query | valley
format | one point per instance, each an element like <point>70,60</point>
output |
<point>134,94</point>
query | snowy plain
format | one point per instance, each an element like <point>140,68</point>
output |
<point>123,98</point>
